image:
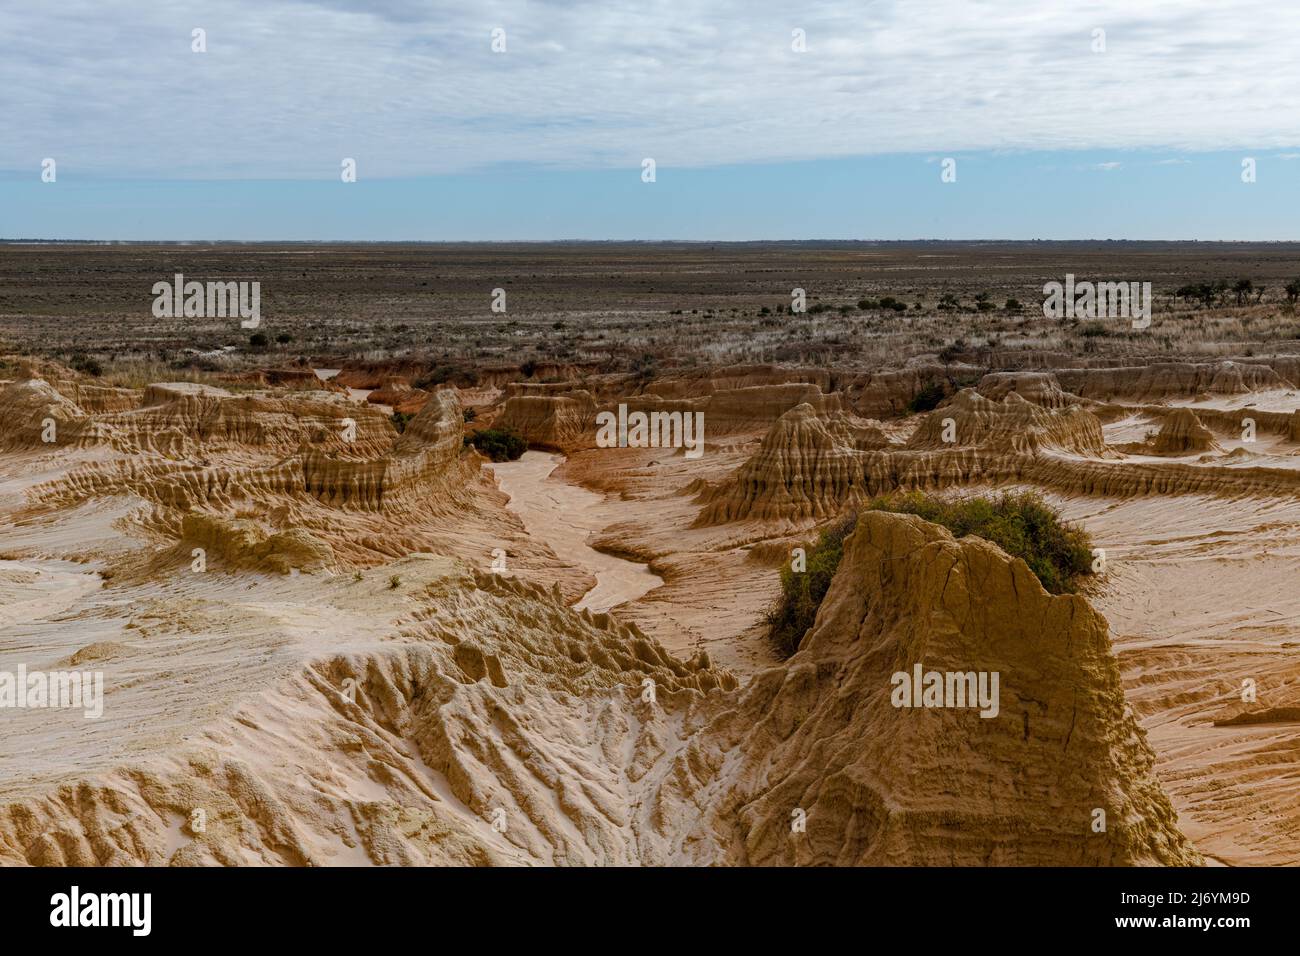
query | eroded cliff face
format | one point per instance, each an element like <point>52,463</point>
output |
<point>1041,388</point>
<point>881,784</point>
<point>1169,380</point>
<point>1182,433</point>
<point>567,422</point>
<point>810,466</point>
<point>1012,425</point>
<point>807,468</point>
<point>476,719</point>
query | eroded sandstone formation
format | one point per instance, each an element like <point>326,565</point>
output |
<point>1169,380</point>
<point>1182,433</point>
<point>489,723</point>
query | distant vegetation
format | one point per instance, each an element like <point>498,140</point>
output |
<point>1216,293</point>
<point>498,444</point>
<point>927,399</point>
<point>86,365</point>
<point>1021,524</point>
<point>399,420</point>
<point>887,302</point>
<point>464,375</point>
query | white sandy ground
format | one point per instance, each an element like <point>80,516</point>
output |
<point>1266,451</point>
<point>359,395</point>
<point>209,639</point>
<point>1201,594</point>
<point>564,516</point>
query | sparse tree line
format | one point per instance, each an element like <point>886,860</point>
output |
<point>1219,291</point>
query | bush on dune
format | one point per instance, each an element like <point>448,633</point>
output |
<point>498,444</point>
<point>1021,524</point>
<point>802,591</point>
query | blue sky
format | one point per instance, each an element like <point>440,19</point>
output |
<point>1100,119</point>
<point>1115,195</point>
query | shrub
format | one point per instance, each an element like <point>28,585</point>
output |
<point>927,399</point>
<point>399,420</point>
<point>1021,524</point>
<point>498,444</point>
<point>258,340</point>
<point>87,365</point>
<point>441,374</point>
<point>802,591</point>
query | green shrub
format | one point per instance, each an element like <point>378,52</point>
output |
<point>399,420</point>
<point>498,444</point>
<point>802,591</point>
<point>1021,524</point>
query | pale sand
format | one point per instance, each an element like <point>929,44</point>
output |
<point>564,516</point>
<point>1200,595</point>
<point>360,395</point>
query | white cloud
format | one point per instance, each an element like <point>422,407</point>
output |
<point>289,87</point>
<point>1107,167</point>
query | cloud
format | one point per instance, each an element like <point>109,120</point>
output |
<point>409,87</point>
<point>1107,167</point>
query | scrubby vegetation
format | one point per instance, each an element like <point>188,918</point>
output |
<point>86,365</point>
<point>802,591</point>
<point>498,444</point>
<point>927,399</point>
<point>399,420</point>
<point>1021,524</point>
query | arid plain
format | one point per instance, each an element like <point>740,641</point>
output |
<point>331,631</point>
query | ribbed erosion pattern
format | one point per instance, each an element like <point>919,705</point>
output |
<point>484,695</point>
<point>428,451</point>
<point>1011,424</point>
<point>809,468</point>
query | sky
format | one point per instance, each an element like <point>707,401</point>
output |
<point>529,119</point>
